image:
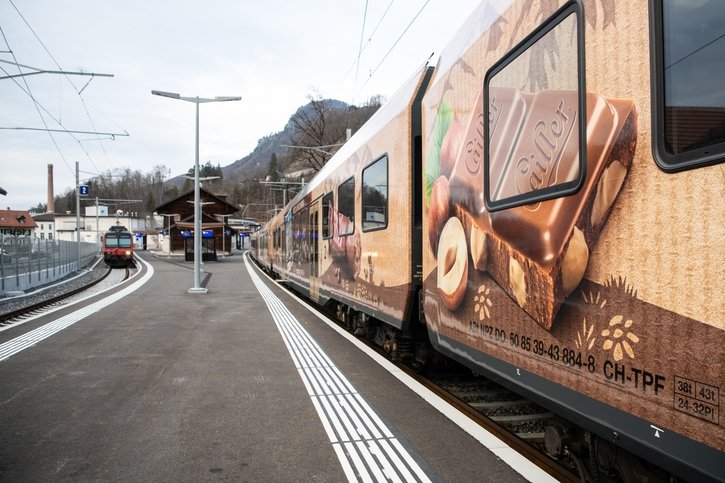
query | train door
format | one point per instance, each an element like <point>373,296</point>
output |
<point>288,240</point>
<point>314,231</point>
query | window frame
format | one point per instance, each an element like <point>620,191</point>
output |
<point>666,161</point>
<point>562,189</point>
<point>350,179</point>
<point>387,190</point>
<point>330,195</point>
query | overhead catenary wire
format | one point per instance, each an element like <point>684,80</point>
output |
<point>47,129</point>
<point>35,102</point>
<point>372,73</point>
<point>67,78</point>
<point>370,38</point>
<point>356,62</point>
<point>79,92</point>
<point>362,33</point>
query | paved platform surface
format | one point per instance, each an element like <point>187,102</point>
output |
<point>165,385</point>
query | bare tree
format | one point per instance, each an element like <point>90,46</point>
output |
<point>315,132</point>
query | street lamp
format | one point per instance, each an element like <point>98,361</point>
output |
<point>197,288</point>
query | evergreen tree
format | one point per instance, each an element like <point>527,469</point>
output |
<point>272,171</point>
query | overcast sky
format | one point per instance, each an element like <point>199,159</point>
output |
<point>272,53</point>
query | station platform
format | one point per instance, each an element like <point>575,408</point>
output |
<point>241,383</point>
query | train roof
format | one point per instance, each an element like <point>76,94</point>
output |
<point>118,229</point>
<point>400,101</point>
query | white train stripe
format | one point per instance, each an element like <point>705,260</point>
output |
<point>313,384</point>
<point>397,462</point>
<point>308,384</point>
<point>387,468</point>
<point>360,427</point>
<point>375,432</point>
<point>362,470</point>
<point>373,416</point>
<point>342,384</point>
<point>410,463</point>
<point>371,462</point>
<point>29,339</point>
<point>364,445</point>
<point>339,413</point>
<point>346,467</point>
<point>331,416</point>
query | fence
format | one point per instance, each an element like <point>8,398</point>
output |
<point>27,262</point>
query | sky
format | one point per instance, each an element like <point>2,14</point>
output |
<point>275,54</point>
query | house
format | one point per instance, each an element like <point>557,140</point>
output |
<point>16,223</point>
<point>46,226</point>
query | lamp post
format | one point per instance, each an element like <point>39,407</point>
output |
<point>197,288</point>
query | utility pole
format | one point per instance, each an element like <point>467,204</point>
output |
<point>78,216</point>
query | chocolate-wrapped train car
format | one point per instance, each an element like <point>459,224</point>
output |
<point>546,207</point>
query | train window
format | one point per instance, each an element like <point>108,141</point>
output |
<point>688,67</point>
<point>535,96</point>
<point>327,211</point>
<point>124,241</point>
<point>346,207</point>
<point>375,195</point>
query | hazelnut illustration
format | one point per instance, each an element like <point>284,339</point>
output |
<point>449,147</point>
<point>607,189</point>
<point>517,279</point>
<point>452,263</point>
<point>439,210</point>
<point>575,262</point>
<point>479,251</point>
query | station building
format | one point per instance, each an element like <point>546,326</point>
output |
<point>178,224</point>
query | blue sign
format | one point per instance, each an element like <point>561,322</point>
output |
<point>185,234</point>
<point>83,190</point>
<point>207,234</point>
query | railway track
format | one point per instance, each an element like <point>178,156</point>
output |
<point>35,308</point>
<point>514,419</point>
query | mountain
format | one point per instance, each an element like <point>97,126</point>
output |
<point>256,163</point>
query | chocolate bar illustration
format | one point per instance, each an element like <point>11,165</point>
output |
<point>538,253</point>
<point>507,109</point>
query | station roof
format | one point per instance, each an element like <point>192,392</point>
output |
<point>180,206</point>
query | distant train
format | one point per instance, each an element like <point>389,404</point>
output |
<point>118,247</point>
<point>546,207</point>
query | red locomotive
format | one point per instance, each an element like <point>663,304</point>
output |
<point>118,247</point>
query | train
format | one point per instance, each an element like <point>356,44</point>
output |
<point>117,247</point>
<point>544,205</point>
